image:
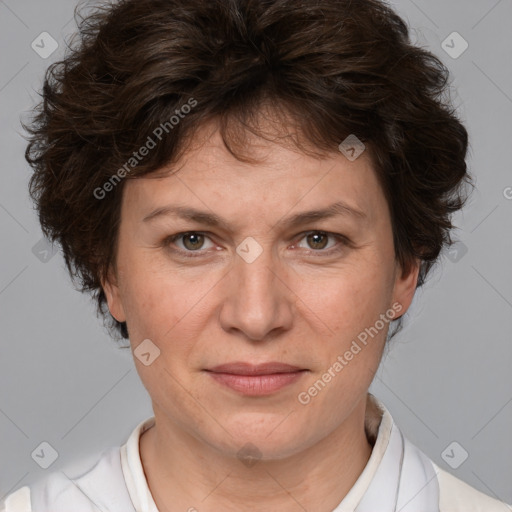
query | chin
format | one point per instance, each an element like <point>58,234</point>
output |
<point>263,439</point>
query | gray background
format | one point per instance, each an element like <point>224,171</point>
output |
<point>447,376</point>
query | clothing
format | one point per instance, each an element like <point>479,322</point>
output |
<point>398,477</point>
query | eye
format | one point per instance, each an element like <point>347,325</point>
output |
<point>195,243</point>
<point>191,241</point>
<point>318,241</point>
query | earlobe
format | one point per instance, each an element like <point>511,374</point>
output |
<point>405,285</point>
<point>111,289</point>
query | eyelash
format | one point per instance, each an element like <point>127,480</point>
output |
<point>343,242</point>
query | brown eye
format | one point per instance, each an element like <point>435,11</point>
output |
<point>193,241</point>
<point>189,243</point>
<point>317,240</point>
<point>322,243</point>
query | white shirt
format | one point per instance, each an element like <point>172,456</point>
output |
<point>397,478</point>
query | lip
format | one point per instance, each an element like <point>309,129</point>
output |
<point>242,368</point>
<point>256,380</point>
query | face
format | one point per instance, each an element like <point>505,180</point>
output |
<point>224,262</point>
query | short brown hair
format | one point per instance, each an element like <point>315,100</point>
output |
<point>332,67</point>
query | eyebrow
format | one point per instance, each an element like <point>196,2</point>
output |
<point>339,208</point>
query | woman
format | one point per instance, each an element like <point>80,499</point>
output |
<point>252,190</point>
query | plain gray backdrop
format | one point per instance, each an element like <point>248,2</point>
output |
<point>447,378</point>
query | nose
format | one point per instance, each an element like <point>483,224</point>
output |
<point>258,301</point>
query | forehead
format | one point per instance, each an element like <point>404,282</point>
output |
<point>280,179</point>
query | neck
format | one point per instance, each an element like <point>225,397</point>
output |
<point>184,473</point>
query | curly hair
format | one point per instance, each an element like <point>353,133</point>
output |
<point>327,68</point>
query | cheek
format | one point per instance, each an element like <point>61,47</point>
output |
<point>149,303</point>
<point>348,299</point>
<point>165,307</point>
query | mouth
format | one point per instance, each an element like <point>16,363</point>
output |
<point>256,380</point>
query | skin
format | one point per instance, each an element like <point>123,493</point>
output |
<point>295,304</point>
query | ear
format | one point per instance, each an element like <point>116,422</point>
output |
<point>405,285</point>
<point>111,288</point>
